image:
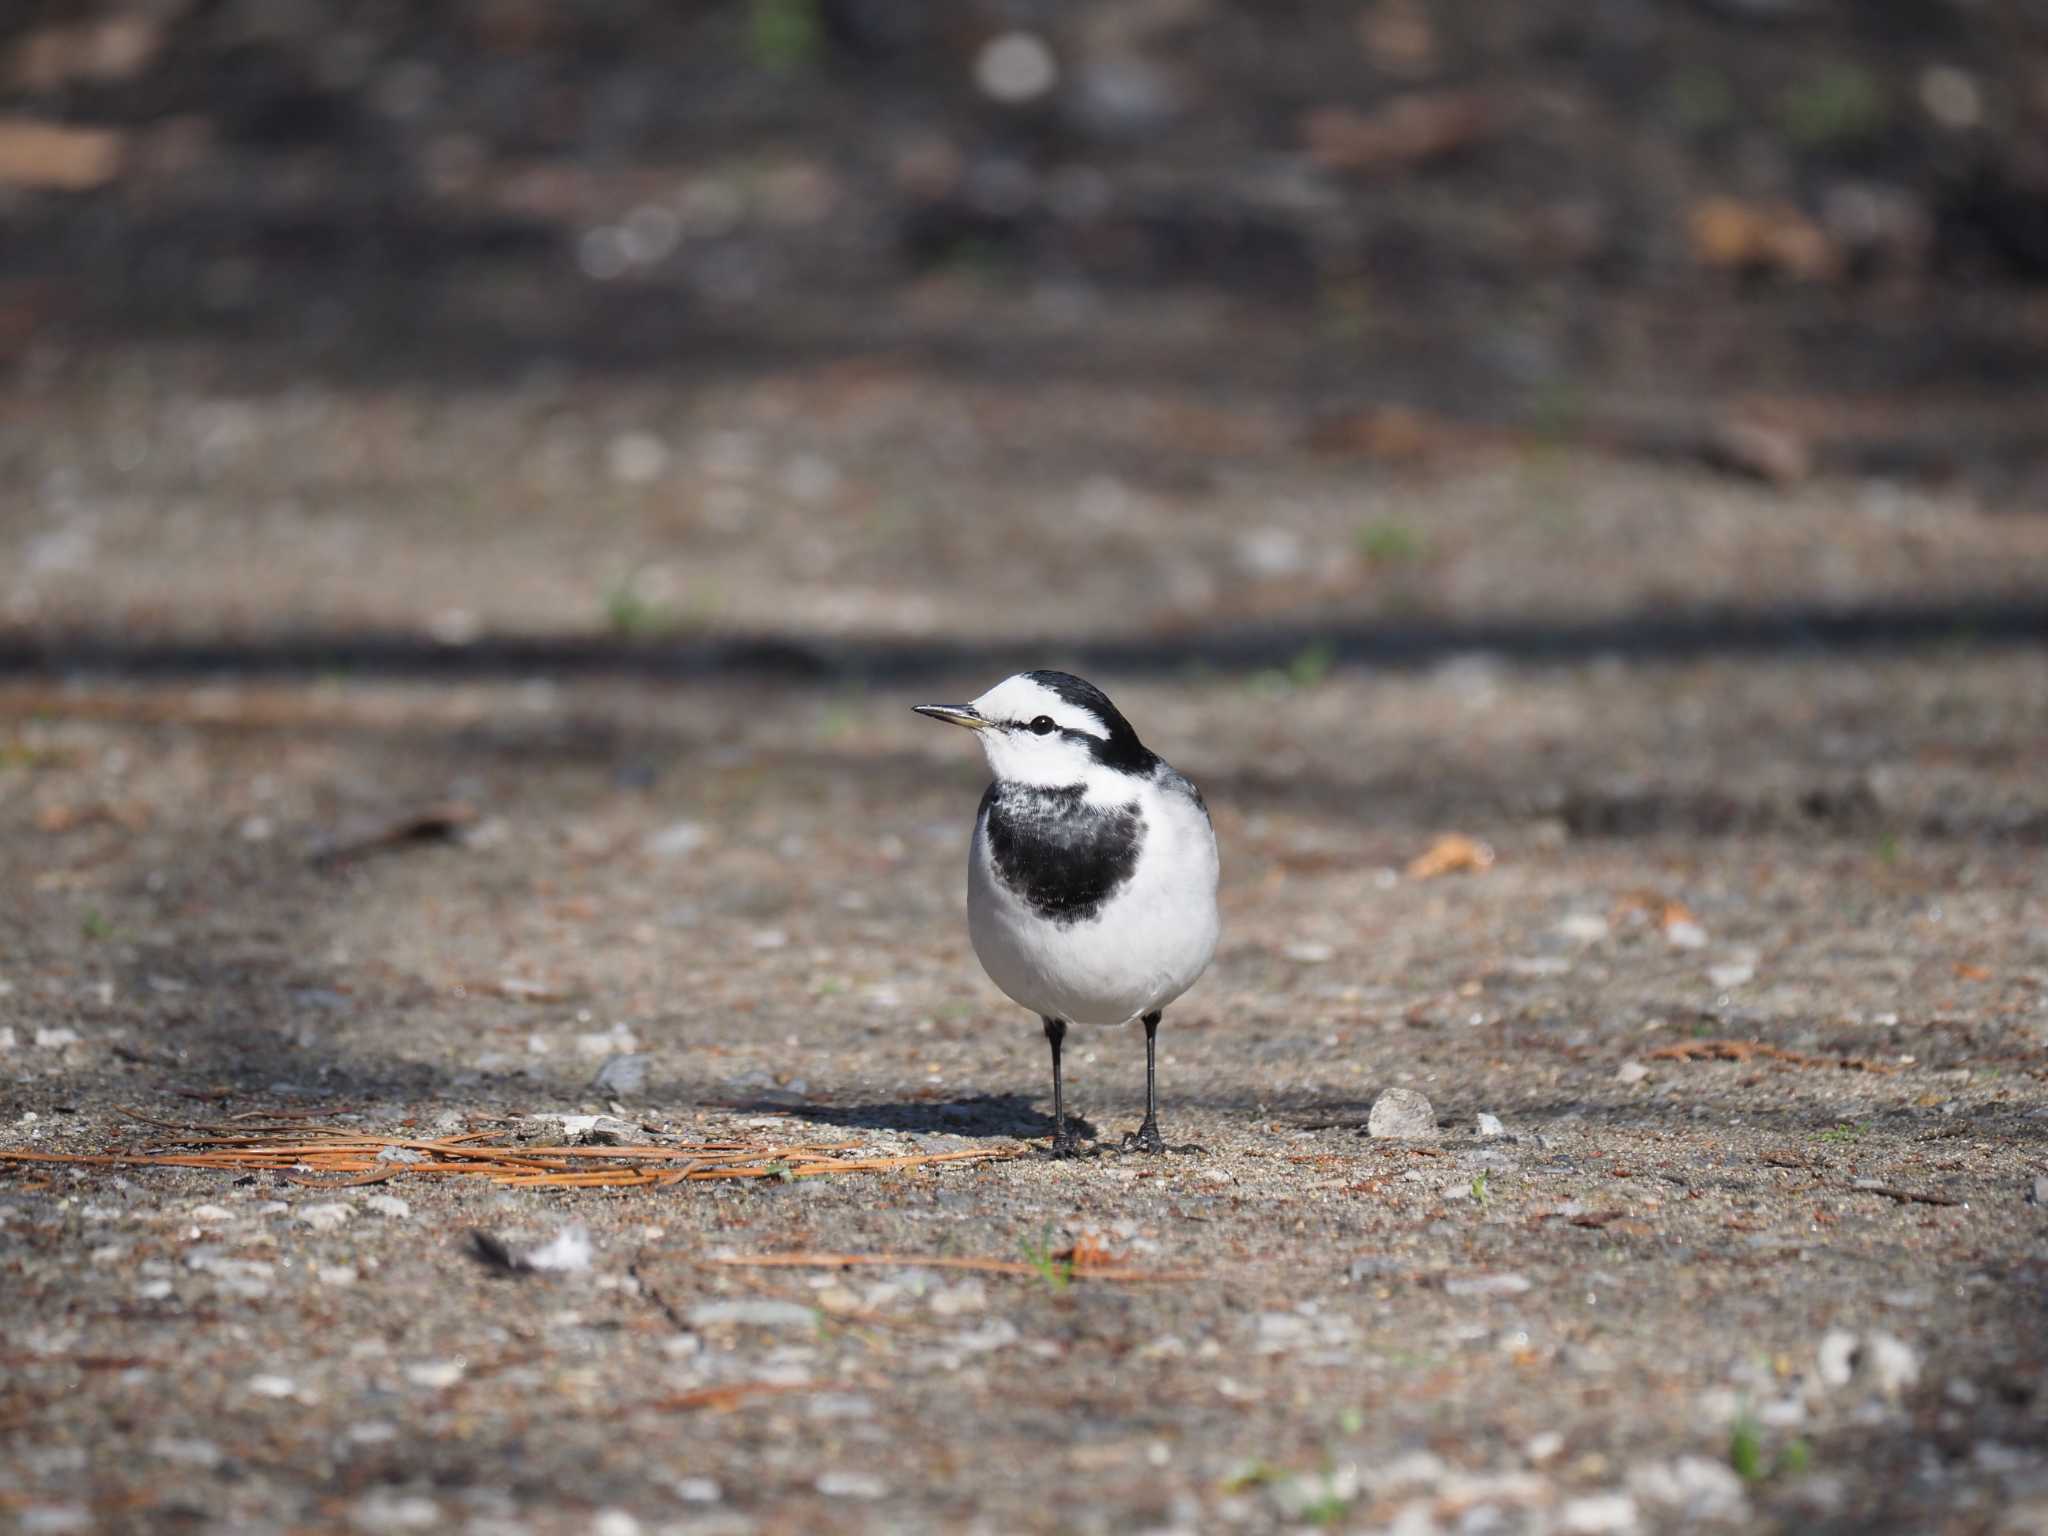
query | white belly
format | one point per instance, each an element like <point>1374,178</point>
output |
<point>1145,947</point>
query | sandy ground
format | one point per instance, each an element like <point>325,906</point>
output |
<point>1796,1291</point>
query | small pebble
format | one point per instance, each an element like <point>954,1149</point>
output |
<point>753,1314</point>
<point>390,1205</point>
<point>1487,1285</point>
<point>1890,1364</point>
<point>959,1300</point>
<point>1402,1113</point>
<point>324,1217</point>
<point>852,1485</point>
<point>614,1522</point>
<point>436,1373</point>
<point>2039,1193</point>
<point>1490,1126</point>
<point>273,1386</point>
<point>1631,1072</point>
<point>1598,1514</point>
<point>622,1075</point>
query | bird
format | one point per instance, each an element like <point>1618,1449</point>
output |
<point>1091,877</point>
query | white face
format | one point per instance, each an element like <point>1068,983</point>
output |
<point>1048,758</point>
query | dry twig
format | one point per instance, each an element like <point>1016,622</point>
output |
<point>1753,1050</point>
<point>331,1156</point>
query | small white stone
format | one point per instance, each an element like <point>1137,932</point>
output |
<point>1891,1364</point>
<point>1583,927</point>
<point>1016,67</point>
<point>676,839</point>
<point>335,1274</point>
<point>1490,1126</point>
<point>1631,1072</point>
<point>1310,954</point>
<point>1598,1514</point>
<point>852,1485</point>
<point>390,1205</point>
<point>436,1373</point>
<point>387,1510</point>
<point>567,1252</point>
<point>1541,1448</point>
<point>211,1213</point>
<point>56,1039</point>
<point>273,1386</point>
<point>614,1522</point>
<point>327,1216</point>
<point>1735,973</point>
<point>959,1300</point>
<point>1487,1285</point>
<point>1403,1114</point>
<point>1685,934</point>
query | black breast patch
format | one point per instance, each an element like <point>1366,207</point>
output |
<point>1061,857</point>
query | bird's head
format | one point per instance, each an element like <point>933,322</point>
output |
<point>1050,729</point>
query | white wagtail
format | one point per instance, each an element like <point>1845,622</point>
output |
<point>1091,883</point>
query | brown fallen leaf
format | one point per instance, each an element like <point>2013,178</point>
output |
<point>1731,235</point>
<point>1408,131</point>
<point>57,156</point>
<point>1452,854</point>
<point>1088,1252</point>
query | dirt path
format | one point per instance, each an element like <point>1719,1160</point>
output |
<point>1689,1284</point>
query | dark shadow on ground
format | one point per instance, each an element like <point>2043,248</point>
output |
<point>1647,635</point>
<point>986,1114</point>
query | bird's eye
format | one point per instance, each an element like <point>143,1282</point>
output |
<point>1042,726</point>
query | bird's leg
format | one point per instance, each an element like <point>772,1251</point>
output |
<point>1146,1137</point>
<point>1063,1142</point>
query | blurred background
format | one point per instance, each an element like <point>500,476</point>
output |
<point>817,319</point>
<point>481,482</point>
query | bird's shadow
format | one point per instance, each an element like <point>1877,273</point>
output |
<point>988,1114</point>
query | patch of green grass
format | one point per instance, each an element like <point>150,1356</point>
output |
<point>633,616</point>
<point>1746,1453</point>
<point>1845,1134</point>
<point>1840,106</point>
<point>1352,1421</point>
<point>1312,664</point>
<point>1746,1449</point>
<point>782,1171</point>
<point>1252,1474</point>
<point>1327,1510</point>
<point>1056,1272</point>
<point>1306,668</point>
<point>1384,543</point>
<point>785,36</point>
<point>1479,1188</point>
<point>1888,848</point>
<point>94,924</point>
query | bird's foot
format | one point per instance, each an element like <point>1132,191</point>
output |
<point>1146,1138</point>
<point>1063,1145</point>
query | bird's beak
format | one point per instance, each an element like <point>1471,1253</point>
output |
<point>956,714</point>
